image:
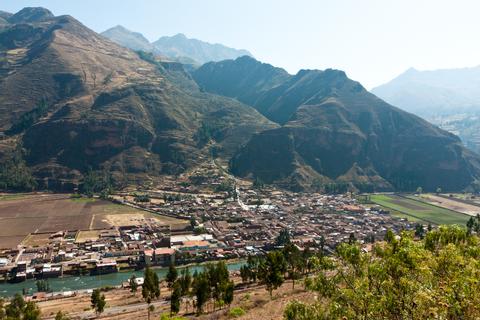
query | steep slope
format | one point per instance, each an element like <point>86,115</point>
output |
<point>179,46</point>
<point>128,39</point>
<point>77,101</point>
<point>335,132</point>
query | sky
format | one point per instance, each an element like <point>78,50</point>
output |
<point>373,41</point>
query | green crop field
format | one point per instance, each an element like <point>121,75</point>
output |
<point>418,210</point>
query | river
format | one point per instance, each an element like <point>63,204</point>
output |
<point>74,283</point>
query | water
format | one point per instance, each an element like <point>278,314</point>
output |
<point>91,282</point>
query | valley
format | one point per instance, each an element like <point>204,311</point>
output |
<point>167,177</point>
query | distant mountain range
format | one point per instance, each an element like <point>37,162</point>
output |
<point>73,102</point>
<point>178,47</point>
<point>449,98</point>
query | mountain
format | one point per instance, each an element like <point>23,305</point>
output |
<point>334,133</point>
<point>449,98</point>
<point>129,39</point>
<point>75,101</point>
<point>429,93</point>
<point>179,46</point>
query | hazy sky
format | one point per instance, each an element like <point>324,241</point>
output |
<point>372,40</point>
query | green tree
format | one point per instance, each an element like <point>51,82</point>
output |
<point>283,238</point>
<point>133,283</point>
<point>150,288</point>
<point>185,281</point>
<point>175,298</point>
<point>172,275</point>
<point>19,309</point>
<point>293,260</point>
<point>201,290</point>
<point>98,302</point>
<point>271,271</point>
<point>229,293</point>
<point>43,286</point>
<point>61,316</point>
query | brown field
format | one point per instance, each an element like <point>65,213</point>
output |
<point>21,215</point>
<point>452,204</point>
<point>87,235</point>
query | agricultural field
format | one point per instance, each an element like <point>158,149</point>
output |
<point>451,203</point>
<point>418,210</point>
<point>22,215</point>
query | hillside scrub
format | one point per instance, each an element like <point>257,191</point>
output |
<point>401,278</point>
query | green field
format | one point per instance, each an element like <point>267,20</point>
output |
<point>417,210</point>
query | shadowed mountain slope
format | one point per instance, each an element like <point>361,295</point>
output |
<point>334,132</point>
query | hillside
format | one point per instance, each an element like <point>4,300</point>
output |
<point>449,98</point>
<point>335,133</point>
<point>76,101</point>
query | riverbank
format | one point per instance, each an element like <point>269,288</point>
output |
<point>72,284</point>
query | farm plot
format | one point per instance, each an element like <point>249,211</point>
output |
<point>451,204</point>
<point>44,213</point>
<point>420,210</point>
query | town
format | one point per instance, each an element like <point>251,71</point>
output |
<point>222,218</point>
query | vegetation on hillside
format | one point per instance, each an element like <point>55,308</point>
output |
<point>401,278</point>
<point>14,173</point>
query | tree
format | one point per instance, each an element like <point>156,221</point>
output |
<point>19,309</point>
<point>175,298</point>
<point>271,270</point>
<point>419,230</point>
<point>133,283</point>
<point>150,288</point>
<point>419,190</point>
<point>201,290</point>
<point>229,292</point>
<point>171,275</point>
<point>470,225</point>
<point>61,316</point>
<point>283,238</point>
<point>43,286</point>
<point>185,281</point>
<point>351,238</point>
<point>98,301</point>
<point>293,261</point>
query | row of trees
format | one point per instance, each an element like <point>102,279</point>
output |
<point>401,278</point>
<point>213,285</point>
<point>275,267</point>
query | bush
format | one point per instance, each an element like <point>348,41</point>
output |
<point>236,312</point>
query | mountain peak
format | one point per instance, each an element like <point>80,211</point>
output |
<point>31,14</point>
<point>180,36</point>
<point>127,38</point>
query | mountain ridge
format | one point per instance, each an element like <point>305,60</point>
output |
<point>333,131</point>
<point>177,47</point>
<point>76,101</point>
